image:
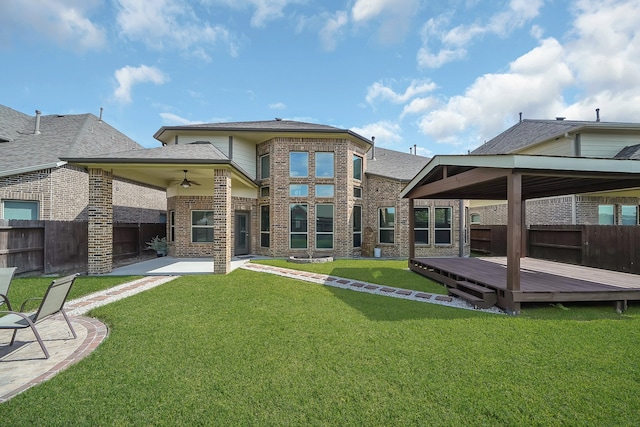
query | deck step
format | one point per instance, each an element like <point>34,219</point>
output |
<point>478,295</point>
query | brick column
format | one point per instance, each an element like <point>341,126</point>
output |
<point>100,221</point>
<point>222,221</point>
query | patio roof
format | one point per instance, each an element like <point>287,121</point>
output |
<point>484,177</point>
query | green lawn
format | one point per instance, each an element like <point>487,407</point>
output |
<point>35,287</point>
<point>257,349</point>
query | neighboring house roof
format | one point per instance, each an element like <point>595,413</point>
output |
<point>181,153</point>
<point>57,137</point>
<point>271,127</point>
<point>394,164</point>
<point>630,152</point>
<point>530,132</point>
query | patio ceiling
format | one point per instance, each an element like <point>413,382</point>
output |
<point>485,177</point>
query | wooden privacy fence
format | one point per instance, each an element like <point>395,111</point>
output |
<point>46,247</point>
<point>610,247</point>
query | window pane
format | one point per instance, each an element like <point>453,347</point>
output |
<point>357,218</point>
<point>386,236</point>
<point>264,192</point>
<point>298,241</point>
<point>298,164</point>
<point>299,218</point>
<point>421,217</point>
<point>324,190</point>
<point>324,218</point>
<point>264,218</point>
<point>443,237</point>
<point>357,192</point>
<point>357,167</point>
<point>199,235</point>
<point>605,215</point>
<point>475,218</point>
<point>443,217</point>
<point>629,215</point>
<point>324,241</point>
<point>18,209</point>
<point>357,240</point>
<point>264,167</point>
<point>421,237</point>
<point>324,165</point>
<point>387,217</point>
<point>264,240</point>
<point>201,218</point>
<point>298,190</point>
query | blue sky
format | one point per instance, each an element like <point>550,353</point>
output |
<point>445,76</point>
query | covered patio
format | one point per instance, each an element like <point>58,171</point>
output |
<point>517,178</point>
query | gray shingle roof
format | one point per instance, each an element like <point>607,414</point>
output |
<point>270,126</point>
<point>529,132</point>
<point>631,152</point>
<point>60,136</point>
<point>394,164</point>
<point>181,153</point>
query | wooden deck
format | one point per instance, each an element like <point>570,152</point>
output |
<point>540,280</point>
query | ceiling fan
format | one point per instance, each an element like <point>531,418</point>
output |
<point>185,182</point>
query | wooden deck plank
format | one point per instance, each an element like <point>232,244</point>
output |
<point>541,280</point>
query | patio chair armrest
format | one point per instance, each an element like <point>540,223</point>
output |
<point>23,315</point>
<point>27,300</point>
<point>6,301</point>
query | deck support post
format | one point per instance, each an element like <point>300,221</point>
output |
<point>412,234</point>
<point>514,230</point>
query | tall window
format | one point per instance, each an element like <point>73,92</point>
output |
<point>629,215</point>
<point>201,226</point>
<point>442,226</point>
<point>265,226</point>
<point>265,163</point>
<point>386,225</point>
<point>19,209</point>
<point>298,164</point>
<point>324,226</point>
<point>357,226</point>
<point>421,226</point>
<point>324,165</point>
<point>298,228</point>
<point>606,215</point>
<point>172,226</point>
<point>357,167</point>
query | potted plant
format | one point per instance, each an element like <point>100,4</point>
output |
<point>158,244</point>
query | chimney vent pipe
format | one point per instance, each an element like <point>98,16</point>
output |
<point>520,116</point>
<point>415,149</point>
<point>373,148</point>
<point>36,131</point>
<point>101,113</point>
<point>597,114</point>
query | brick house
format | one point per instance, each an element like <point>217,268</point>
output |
<point>567,138</point>
<point>277,188</point>
<point>36,184</point>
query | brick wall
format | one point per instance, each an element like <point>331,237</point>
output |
<point>557,210</point>
<point>382,193</point>
<point>279,199</point>
<point>63,195</point>
<point>100,225</point>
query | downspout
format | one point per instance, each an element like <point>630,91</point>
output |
<point>462,229</point>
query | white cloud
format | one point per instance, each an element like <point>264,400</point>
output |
<point>416,88</point>
<point>332,30</point>
<point>533,84</point>
<point>278,106</point>
<point>419,106</point>
<point>129,76</point>
<point>173,119</point>
<point>452,44</point>
<point>265,10</point>
<point>66,22</point>
<point>173,24</point>
<point>387,133</point>
<point>394,15</point>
